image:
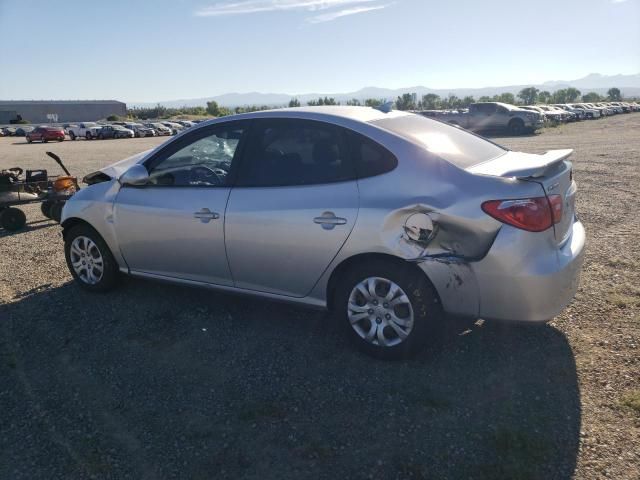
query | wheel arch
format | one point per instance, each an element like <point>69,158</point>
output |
<point>362,258</point>
<point>104,234</point>
<point>69,223</point>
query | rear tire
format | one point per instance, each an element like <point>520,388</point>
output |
<point>89,259</point>
<point>88,135</point>
<point>12,219</point>
<point>45,208</point>
<point>398,318</point>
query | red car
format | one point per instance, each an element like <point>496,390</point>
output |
<point>44,134</point>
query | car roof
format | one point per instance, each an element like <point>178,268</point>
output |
<point>330,114</point>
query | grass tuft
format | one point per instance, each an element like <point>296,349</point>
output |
<point>632,400</point>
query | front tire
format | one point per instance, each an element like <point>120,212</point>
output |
<point>72,135</point>
<point>89,259</point>
<point>390,309</point>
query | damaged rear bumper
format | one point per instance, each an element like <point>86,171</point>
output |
<point>524,277</point>
<point>532,280</point>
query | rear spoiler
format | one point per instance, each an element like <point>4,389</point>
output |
<point>521,165</point>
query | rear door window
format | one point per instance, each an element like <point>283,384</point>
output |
<point>370,158</point>
<point>284,152</point>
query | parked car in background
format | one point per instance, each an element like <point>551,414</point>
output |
<point>175,128</point>
<point>185,123</point>
<point>579,113</point>
<point>87,130</point>
<point>159,128</point>
<point>22,131</point>
<point>604,111</point>
<point>140,130</point>
<point>612,109</point>
<point>9,131</point>
<point>114,131</point>
<point>493,116</point>
<point>557,114</point>
<point>625,107</point>
<point>389,219</point>
<point>589,112</point>
<point>535,108</point>
<point>45,134</point>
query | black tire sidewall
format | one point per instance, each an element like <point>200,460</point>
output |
<point>424,302</point>
<point>12,219</point>
<point>45,208</point>
<point>111,271</point>
<point>55,211</point>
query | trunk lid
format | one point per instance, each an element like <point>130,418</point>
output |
<point>551,170</point>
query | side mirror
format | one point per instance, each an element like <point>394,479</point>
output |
<point>136,175</point>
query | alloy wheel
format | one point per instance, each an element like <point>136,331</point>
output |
<point>86,260</point>
<point>380,312</point>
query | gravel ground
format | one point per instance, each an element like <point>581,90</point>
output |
<point>158,381</point>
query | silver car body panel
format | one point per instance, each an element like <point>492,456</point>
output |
<point>479,266</point>
<point>176,240</point>
<point>287,253</point>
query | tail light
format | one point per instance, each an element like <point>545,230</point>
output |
<point>532,214</point>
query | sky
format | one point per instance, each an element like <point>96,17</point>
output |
<point>155,50</point>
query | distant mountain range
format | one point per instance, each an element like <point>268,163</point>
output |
<point>628,84</point>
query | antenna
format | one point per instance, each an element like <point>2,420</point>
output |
<point>385,107</point>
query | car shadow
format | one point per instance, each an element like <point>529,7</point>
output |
<point>38,142</point>
<point>157,381</point>
<point>507,134</point>
<point>29,227</point>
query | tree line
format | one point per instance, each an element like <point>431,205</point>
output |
<point>407,101</point>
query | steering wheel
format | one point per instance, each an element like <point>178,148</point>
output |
<point>202,174</point>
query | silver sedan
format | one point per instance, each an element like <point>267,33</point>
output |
<point>389,219</point>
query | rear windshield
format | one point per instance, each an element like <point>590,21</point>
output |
<point>452,144</point>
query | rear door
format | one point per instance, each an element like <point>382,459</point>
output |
<point>293,207</point>
<point>483,116</point>
<point>501,117</point>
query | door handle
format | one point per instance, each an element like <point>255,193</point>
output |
<point>205,215</point>
<point>328,220</point>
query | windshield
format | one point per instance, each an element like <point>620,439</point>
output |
<point>452,144</point>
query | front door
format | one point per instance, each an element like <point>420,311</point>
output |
<point>293,207</point>
<point>174,226</point>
